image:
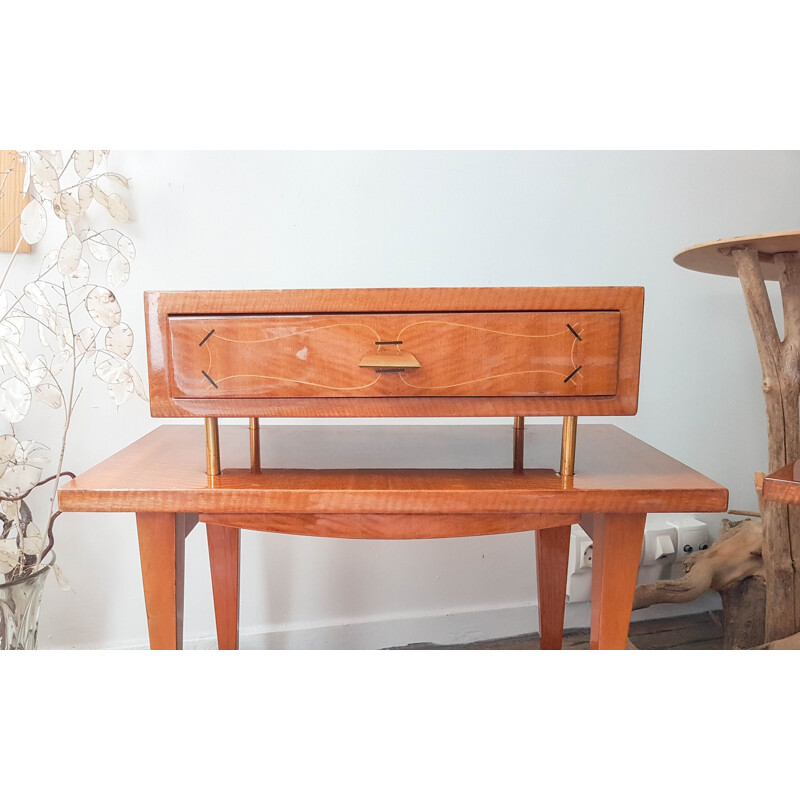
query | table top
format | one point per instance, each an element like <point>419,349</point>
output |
<point>783,486</point>
<point>715,259</point>
<point>391,469</point>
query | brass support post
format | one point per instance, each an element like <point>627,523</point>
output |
<point>255,444</point>
<point>519,443</point>
<point>569,432</point>
<point>212,446</point>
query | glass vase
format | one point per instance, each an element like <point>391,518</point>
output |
<point>20,601</point>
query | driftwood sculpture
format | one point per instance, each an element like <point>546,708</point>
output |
<point>754,260</point>
<point>732,566</point>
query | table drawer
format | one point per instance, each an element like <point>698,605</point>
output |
<point>503,354</point>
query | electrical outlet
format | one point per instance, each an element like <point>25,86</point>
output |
<point>668,540</point>
<point>692,537</point>
<point>579,579</point>
<point>671,538</point>
<point>581,550</point>
<point>660,541</point>
<point>586,551</point>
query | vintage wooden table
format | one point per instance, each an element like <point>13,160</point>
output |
<point>479,352</point>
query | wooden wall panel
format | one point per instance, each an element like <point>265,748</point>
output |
<point>12,201</point>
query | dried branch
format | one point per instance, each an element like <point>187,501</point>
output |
<point>790,298</point>
<point>736,555</point>
<point>78,320</point>
<point>759,309</point>
<point>41,483</point>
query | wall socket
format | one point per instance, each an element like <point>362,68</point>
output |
<point>669,539</point>
<point>585,550</point>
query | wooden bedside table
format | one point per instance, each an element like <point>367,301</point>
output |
<point>393,353</point>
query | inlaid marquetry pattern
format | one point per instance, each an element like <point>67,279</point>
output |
<point>563,353</point>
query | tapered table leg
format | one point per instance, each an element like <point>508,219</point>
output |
<point>552,557</point>
<point>617,551</point>
<point>161,547</point>
<point>224,551</point>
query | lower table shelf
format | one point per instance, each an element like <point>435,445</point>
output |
<point>392,482</point>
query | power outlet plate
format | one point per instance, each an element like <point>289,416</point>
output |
<point>669,539</point>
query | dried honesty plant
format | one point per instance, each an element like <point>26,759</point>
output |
<point>58,328</point>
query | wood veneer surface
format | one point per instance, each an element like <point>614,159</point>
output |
<point>783,486</point>
<point>302,355</point>
<point>510,397</point>
<point>390,526</point>
<point>374,469</point>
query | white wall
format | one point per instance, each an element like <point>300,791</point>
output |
<point>351,219</point>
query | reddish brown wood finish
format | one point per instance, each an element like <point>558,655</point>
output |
<point>169,310</point>
<point>617,541</point>
<point>224,551</point>
<point>394,482</point>
<point>376,469</point>
<point>498,355</point>
<point>783,486</point>
<point>552,560</point>
<point>380,491</point>
<point>161,546</point>
<point>390,526</point>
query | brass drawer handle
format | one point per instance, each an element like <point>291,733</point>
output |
<point>389,362</point>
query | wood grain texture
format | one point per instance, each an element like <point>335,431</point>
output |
<point>393,481</point>
<point>390,526</point>
<point>552,561</point>
<point>744,614</point>
<point>716,258</point>
<point>779,365</point>
<point>12,201</point>
<point>282,355</point>
<point>161,547</point>
<point>755,260</point>
<point>224,553</point>
<point>783,485</point>
<point>780,387</point>
<point>391,469</point>
<point>617,545</point>
<point>168,310</point>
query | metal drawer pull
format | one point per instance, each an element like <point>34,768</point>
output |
<point>389,362</point>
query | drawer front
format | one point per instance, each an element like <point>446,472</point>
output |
<point>503,354</point>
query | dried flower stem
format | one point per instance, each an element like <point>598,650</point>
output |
<point>62,289</point>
